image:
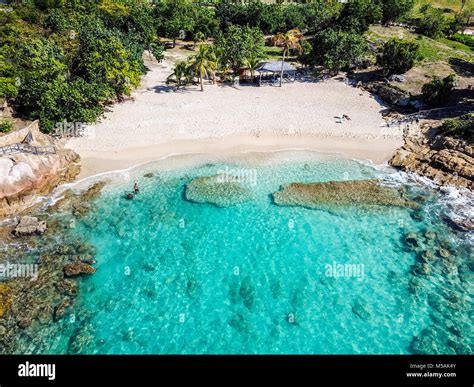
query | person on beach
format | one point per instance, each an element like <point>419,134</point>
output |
<point>136,188</point>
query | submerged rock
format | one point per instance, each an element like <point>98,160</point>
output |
<point>5,299</point>
<point>78,268</point>
<point>361,310</point>
<point>217,190</point>
<point>412,239</point>
<point>340,193</point>
<point>29,225</point>
<point>67,287</point>
<point>61,309</point>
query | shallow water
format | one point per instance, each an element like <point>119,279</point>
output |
<point>177,277</point>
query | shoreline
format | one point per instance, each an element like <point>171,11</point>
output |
<point>349,148</point>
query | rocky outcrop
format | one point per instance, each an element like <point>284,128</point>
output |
<point>340,193</point>
<point>78,268</point>
<point>437,155</point>
<point>78,204</point>
<point>217,190</point>
<point>25,176</point>
<point>387,93</point>
<point>29,225</point>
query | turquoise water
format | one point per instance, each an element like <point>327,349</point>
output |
<point>176,277</point>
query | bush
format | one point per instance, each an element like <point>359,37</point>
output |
<point>158,51</point>
<point>398,56</point>
<point>5,126</point>
<point>461,127</point>
<point>468,40</point>
<point>393,10</point>
<point>357,15</point>
<point>432,23</point>
<point>338,50</point>
<point>438,91</point>
<point>237,45</point>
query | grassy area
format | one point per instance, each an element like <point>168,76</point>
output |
<point>431,50</point>
<point>273,52</point>
<point>437,56</point>
<point>452,5</point>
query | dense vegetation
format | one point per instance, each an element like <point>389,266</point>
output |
<point>461,127</point>
<point>398,56</point>
<point>67,59</point>
<point>64,60</point>
<point>438,91</point>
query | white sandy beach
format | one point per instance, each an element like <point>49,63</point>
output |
<point>159,121</point>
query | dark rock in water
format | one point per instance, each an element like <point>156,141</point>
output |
<point>78,268</point>
<point>67,287</point>
<point>148,267</point>
<point>61,309</point>
<point>444,252</point>
<point>192,287</point>
<point>412,239</point>
<point>29,225</point>
<point>217,190</point>
<point>148,175</point>
<point>24,322</point>
<point>417,215</point>
<point>247,293</point>
<point>426,256</point>
<point>65,250</point>
<point>80,209</point>
<point>414,285</point>
<point>360,309</point>
<point>6,299</point>
<point>422,344</point>
<point>87,259</point>
<point>94,191</point>
<point>239,323</point>
<point>421,269</point>
<point>366,193</point>
<point>430,235</point>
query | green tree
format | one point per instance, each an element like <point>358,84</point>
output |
<point>432,23</point>
<point>393,10</point>
<point>357,15</point>
<point>438,91</point>
<point>204,63</point>
<point>237,44</point>
<point>175,18</point>
<point>289,40</point>
<point>398,56</point>
<point>338,50</point>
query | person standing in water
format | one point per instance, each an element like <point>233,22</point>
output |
<point>136,188</point>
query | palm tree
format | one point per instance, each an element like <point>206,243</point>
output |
<point>252,62</point>
<point>289,41</point>
<point>204,63</point>
<point>181,75</point>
